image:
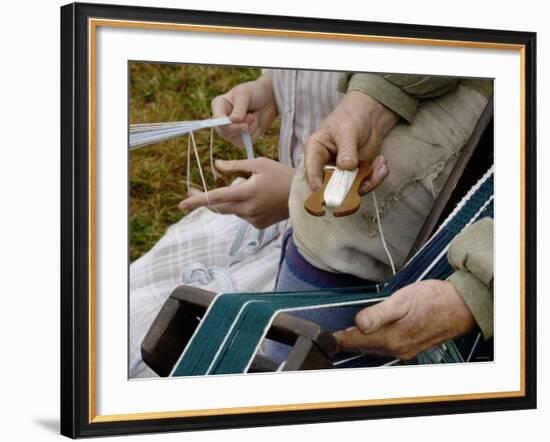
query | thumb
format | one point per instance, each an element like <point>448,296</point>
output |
<point>390,310</point>
<point>347,151</point>
<point>241,104</point>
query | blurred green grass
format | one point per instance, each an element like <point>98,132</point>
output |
<point>175,92</point>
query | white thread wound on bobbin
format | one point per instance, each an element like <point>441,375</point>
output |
<point>338,187</point>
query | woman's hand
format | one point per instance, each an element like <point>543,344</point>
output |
<point>413,319</point>
<point>250,106</point>
<point>353,131</point>
<point>262,199</point>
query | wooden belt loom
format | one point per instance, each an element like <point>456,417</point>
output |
<point>180,315</point>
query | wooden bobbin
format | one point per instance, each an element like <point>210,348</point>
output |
<point>315,203</point>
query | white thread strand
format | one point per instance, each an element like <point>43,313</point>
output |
<point>149,133</point>
<point>247,142</point>
<point>188,163</point>
<point>382,233</point>
<point>351,358</point>
<point>200,170</point>
<point>338,186</point>
<point>473,347</point>
<point>212,153</point>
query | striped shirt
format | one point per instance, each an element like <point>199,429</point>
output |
<point>304,99</point>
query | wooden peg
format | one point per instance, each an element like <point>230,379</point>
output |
<point>315,203</point>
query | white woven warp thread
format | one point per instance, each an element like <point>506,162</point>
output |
<point>149,133</point>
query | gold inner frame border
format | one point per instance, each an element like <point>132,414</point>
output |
<point>93,24</point>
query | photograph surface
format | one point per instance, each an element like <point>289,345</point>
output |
<point>284,220</point>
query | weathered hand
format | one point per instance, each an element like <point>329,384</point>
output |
<point>262,199</point>
<point>413,319</point>
<point>249,106</point>
<point>353,131</point>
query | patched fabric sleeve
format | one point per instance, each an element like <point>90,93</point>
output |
<point>471,255</point>
<point>399,92</point>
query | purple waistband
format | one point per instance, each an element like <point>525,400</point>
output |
<point>303,270</point>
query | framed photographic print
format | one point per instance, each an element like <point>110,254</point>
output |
<point>278,220</point>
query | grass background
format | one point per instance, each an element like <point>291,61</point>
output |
<point>175,92</point>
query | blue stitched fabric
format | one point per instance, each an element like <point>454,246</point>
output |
<point>295,273</point>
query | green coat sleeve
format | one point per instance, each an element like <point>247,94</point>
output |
<point>399,92</point>
<point>471,255</point>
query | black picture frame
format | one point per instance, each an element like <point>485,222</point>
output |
<point>77,418</point>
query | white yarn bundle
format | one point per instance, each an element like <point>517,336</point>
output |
<point>338,186</point>
<point>149,133</point>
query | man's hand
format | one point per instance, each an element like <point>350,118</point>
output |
<point>415,318</point>
<point>353,131</point>
<point>262,200</point>
<point>250,106</point>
